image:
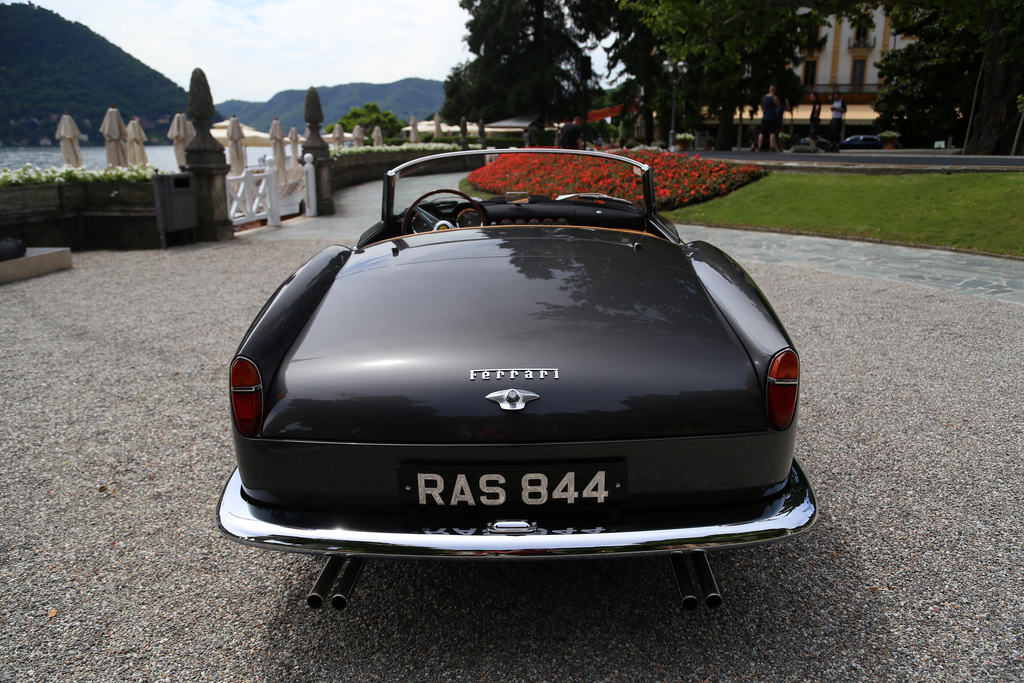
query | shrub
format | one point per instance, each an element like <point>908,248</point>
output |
<point>30,175</point>
<point>680,180</point>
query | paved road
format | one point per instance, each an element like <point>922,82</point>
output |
<point>115,444</point>
<point>115,440</point>
<point>881,159</point>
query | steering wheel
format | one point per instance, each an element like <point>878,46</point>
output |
<point>435,222</point>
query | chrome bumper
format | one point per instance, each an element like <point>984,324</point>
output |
<point>792,512</point>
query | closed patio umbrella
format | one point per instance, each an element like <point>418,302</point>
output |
<point>178,133</point>
<point>293,140</point>
<point>378,137</point>
<point>277,144</point>
<point>68,134</point>
<point>437,126</point>
<point>414,129</point>
<point>339,135</point>
<point>136,150</point>
<point>236,146</point>
<point>115,132</point>
<point>357,136</point>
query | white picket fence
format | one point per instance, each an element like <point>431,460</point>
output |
<point>256,195</point>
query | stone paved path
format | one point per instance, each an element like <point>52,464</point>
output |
<point>358,208</point>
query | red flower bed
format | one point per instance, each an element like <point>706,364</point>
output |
<point>680,180</point>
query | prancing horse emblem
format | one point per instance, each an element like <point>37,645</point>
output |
<point>512,399</point>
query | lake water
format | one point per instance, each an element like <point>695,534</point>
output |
<point>161,157</point>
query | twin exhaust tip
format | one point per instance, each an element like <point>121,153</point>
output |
<point>336,582</point>
<point>681,563</point>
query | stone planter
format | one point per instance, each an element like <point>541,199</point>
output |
<point>81,215</point>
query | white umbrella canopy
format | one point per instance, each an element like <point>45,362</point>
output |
<point>378,137</point>
<point>68,134</point>
<point>250,136</point>
<point>277,143</point>
<point>437,126</point>
<point>357,136</point>
<point>178,133</point>
<point>414,129</point>
<point>136,138</point>
<point>293,140</point>
<point>236,146</point>
<point>115,132</point>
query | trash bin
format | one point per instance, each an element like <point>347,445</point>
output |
<point>175,196</point>
<point>700,141</point>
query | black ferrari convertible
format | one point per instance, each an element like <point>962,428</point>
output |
<point>546,369</point>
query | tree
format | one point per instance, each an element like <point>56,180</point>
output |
<point>735,49</point>
<point>528,61</point>
<point>997,28</point>
<point>370,115</point>
<point>1002,76</point>
<point>931,81</point>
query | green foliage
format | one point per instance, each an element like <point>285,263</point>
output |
<point>930,82</point>
<point>993,31</point>
<point>370,115</point>
<point>530,60</point>
<point>49,65</point>
<point>736,49</point>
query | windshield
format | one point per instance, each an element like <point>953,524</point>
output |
<point>550,173</point>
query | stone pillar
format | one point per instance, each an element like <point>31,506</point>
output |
<point>204,159</point>
<point>316,146</point>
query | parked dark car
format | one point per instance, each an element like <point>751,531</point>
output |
<point>862,142</point>
<point>524,375</point>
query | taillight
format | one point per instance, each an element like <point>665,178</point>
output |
<point>246,396</point>
<point>783,387</point>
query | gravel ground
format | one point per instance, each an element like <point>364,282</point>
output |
<point>115,444</point>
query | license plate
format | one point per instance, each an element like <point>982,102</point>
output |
<point>501,486</point>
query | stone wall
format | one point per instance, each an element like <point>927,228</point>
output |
<point>81,215</point>
<point>365,167</point>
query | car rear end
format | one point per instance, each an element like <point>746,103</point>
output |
<point>516,392</point>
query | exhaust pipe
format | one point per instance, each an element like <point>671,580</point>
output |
<point>347,583</point>
<point>681,562</point>
<point>681,572</point>
<point>706,578</point>
<point>323,584</point>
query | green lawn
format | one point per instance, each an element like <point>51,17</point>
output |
<point>976,211</point>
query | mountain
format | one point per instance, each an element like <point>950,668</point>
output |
<point>402,98</point>
<point>49,64</point>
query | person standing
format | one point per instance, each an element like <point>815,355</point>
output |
<point>572,134</point>
<point>780,121</point>
<point>770,105</point>
<point>815,118</point>
<point>838,110</point>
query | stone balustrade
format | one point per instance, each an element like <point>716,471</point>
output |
<point>123,215</point>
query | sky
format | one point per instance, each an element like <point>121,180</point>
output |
<point>252,49</point>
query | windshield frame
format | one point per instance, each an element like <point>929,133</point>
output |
<point>392,177</point>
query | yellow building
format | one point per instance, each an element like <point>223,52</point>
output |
<point>847,66</point>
